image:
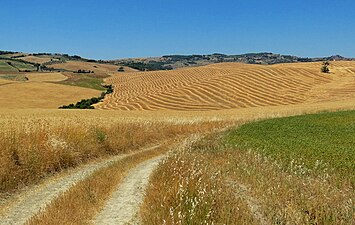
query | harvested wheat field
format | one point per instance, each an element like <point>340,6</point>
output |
<point>36,59</point>
<point>46,77</point>
<point>4,82</point>
<point>41,95</point>
<point>96,67</point>
<point>231,86</point>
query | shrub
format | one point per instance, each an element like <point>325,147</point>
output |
<point>325,67</point>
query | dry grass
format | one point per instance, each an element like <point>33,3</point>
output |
<point>36,59</point>
<point>3,82</point>
<point>24,95</point>
<point>211,176</point>
<point>189,188</point>
<point>231,86</point>
<point>80,204</point>
<point>32,147</point>
<point>46,77</point>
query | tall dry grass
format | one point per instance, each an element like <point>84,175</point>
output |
<point>80,204</point>
<point>187,189</point>
<point>32,148</point>
<point>213,184</point>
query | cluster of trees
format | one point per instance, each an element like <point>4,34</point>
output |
<point>147,66</point>
<point>84,71</point>
<point>7,52</point>
<point>88,103</point>
<point>121,69</point>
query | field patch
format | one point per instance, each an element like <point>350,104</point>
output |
<point>98,68</point>
<point>323,141</point>
<point>36,59</point>
<point>4,66</point>
<point>14,77</point>
<point>24,95</point>
<point>45,77</point>
<point>93,81</point>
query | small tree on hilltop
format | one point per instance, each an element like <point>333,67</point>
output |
<point>325,67</point>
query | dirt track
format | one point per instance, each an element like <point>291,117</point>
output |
<point>36,199</point>
<point>124,204</point>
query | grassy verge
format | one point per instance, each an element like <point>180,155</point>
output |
<point>188,188</point>
<point>32,149</point>
<point>80,204</point>
<point>256,163</point>
<point>85,80</point>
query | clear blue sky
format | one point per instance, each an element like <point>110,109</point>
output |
<point>108,29</point>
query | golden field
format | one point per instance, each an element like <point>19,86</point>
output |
<point>46,77</point>
<point>36,59</point>
<point>40,95</point>
<point>231,86</point>
<point>204,182</point>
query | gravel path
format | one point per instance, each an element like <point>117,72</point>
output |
<point>124,204</point>
<point>37,198</point>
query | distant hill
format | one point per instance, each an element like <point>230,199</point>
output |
<point>166,62</point>
<point>169,62</point>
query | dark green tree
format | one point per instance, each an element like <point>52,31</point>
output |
<point>325,67</point>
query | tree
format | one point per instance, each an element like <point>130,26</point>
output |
<point>325,67</point>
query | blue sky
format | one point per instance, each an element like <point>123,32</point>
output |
<point>109,29</point>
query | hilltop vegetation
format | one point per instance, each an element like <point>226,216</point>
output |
<point>166,62</point>
<point>169,62</point>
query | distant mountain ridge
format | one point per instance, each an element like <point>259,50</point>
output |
<point>169,62</point>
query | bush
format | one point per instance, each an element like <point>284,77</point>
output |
<point>325,67</point>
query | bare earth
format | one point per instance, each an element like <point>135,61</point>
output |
<point>124,204</point>
<point>36,199</point>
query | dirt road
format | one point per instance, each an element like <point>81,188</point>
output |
<point>37,198</point>
<point>124,204</point>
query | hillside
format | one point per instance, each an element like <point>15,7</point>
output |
<point>40,93</point>
<point>169,62</point>
<point>231,86</point>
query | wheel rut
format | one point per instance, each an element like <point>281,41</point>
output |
<point>123,206</point>
<point>37,198</point>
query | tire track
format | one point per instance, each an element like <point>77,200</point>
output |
<point>36,199</point>
<point>124,204</point>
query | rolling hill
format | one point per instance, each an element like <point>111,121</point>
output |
<point>231,86</point>
<point>39,94</point>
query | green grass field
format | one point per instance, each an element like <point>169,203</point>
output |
<point>84,80</point>
<point>320,141</point>
<point>23,66</point>
<point>6,67</point>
